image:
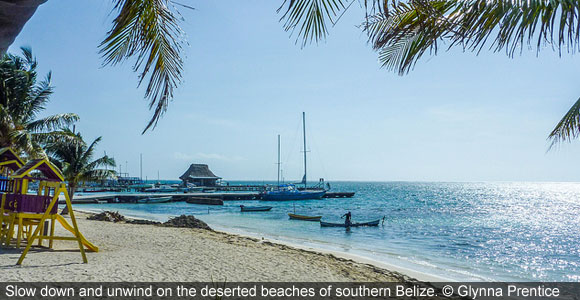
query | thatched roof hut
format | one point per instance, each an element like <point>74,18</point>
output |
<point>200,175</point>
<point>13,15</point>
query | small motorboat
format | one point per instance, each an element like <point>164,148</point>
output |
<point>255,208</point>
<point>371,223</point>
<point>161,189</point>
<point>150,200</point>
<point>304,218</point>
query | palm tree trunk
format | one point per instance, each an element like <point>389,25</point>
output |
<point>71,189</point>
<point>71,192</point>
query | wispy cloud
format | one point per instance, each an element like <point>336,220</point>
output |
<point>206,156</point>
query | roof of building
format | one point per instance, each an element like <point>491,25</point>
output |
<point>10,159</point>
<point>200,171</point>
<point>43,165</point>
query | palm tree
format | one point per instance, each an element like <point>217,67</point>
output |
<point>144,30</point>
<point>21,100</point>
<point>403,31</point>
<point>75,159</point>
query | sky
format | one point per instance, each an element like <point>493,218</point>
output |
<point>456,117</point>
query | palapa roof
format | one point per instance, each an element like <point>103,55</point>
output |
<point>43,165</point>
<point>10,159</point>
<point>199,171</point>
<point>13,15</point>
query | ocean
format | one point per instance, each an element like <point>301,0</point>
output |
<point>476,231</point>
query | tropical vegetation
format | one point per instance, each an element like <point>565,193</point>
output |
<point>77,161</point>
<point>403,31</point>
<point>400,31</point>
<point>22,99</point>
<point>148,31</point>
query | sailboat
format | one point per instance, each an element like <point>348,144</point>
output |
<point>287,192</point>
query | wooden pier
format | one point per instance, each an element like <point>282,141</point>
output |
<point>189,197</point>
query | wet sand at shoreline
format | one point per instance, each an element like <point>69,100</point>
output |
<point>131,252</point>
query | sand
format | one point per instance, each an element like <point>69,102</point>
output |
<point>131,252</point>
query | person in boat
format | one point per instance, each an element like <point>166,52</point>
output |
<point>347,220</point>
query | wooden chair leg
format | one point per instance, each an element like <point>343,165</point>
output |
<point>19,235</point>
<point>53,219</point>
<point>11,230</point>
<point>3,227</point>
<point>41,232</point>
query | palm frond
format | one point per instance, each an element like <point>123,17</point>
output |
<point>407,31</point>
<point>29,58</point>
<point>97,174</point>
<point>101,162</point>
<point>53,122</point>
<point>89,151</point>
<point>148,31</point>
<point>568,128</point>
<point>517,24</point>
<point>509,25</point>
<point>38,96</point>
<point>60,137</point>
<point>311,17</point>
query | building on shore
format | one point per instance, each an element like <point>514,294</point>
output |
<point>200,175</point>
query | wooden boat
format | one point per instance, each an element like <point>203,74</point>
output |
<point>204,200</point>
<point>371,223</point>
<point>255,208</point>
<point>304,218</point>
<point>149,200</point>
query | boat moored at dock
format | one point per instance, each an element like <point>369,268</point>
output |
<point>289,192</point>
<point>154,200</point>
<point>162,189</point>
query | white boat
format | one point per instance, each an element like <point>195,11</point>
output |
<point>162,189</point>
<point>154,200</point>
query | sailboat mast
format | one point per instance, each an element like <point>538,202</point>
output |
<point>304,134</point>
<point>278,160</point>
<point>141,167</point>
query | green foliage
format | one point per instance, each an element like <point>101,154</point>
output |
<point>311,17</point>
<point>568,128</point>
<point>403,31</point>
<point>147,30</point>
<point>22,99</point>
<point>75,158</point>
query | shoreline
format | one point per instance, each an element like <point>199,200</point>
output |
<point>150,253</point>
<point>414,274</point>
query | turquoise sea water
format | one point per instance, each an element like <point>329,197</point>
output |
<point>461,231</point>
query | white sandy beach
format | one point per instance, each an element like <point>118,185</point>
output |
<point>130,252</point>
